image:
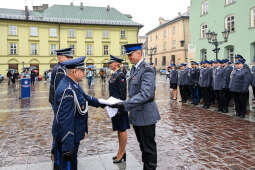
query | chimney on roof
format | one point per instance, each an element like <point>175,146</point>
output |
<point>81,6</point>
<point>26,12</point>
<point>108,8</point>
<point>179,13</point>
<point>71,3</point>
<point>161,20</point>
<point>129,16</point>
<point>40,8</point>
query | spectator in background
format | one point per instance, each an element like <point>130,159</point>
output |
<point>9,74</point>
<point>90,76</point>
<point>32,77</point>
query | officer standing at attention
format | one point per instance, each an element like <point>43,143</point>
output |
<point>120,122</point>
<point>253,79</point>
<point>58,71</point>
<point>183,82</point>
<point>141,105</point>
<point>227,71</point>
<point>173,80</point>
<point>205,84</point>
<point>194,75</point>
<point>70,114</point>
<point>218,85</point>
<point>239,85</point>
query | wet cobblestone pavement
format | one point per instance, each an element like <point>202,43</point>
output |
<point>188,137</point>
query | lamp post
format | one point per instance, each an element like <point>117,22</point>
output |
<point>152,52</point>
<point>212,39</point>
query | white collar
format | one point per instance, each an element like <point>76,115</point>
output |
<point>139,62</point>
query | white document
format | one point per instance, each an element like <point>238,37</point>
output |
<point>110,101</point>
<point>111,111</point>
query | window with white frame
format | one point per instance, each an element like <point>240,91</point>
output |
<point>231,53</point>
<point>253,17</point>
<point>173,30</point>
<point>53,48</point>
<point>105,34</point>
<point>174,44</point>
<point>230,23</point>
<point>89,34</point>
<point>204,9</point>
<point>34,50</point>
<point>89,49</point>
<point>122,34</point>
<point>230,2</point>
<point>71,33</point>
<point>106,49</point>
<point>164,34</point>
<point>33,31</point>
<point>123,50</point>
<point>203,31</point>
<point>12,30</point>
<point>164,46</point>
<point>13,48</point>
<point>53,32</point>
<point>203,54</point>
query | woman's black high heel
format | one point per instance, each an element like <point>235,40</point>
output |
<point>122,159</point>
<point>115,157</point>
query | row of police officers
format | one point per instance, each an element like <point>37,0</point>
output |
<point>214,81</point>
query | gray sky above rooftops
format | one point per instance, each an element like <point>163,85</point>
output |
<point>145,12</point>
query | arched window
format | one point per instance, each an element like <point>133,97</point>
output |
<point>230,23</point>
<point>203,30</point>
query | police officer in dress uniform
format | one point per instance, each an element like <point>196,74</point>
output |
<point>173,80</point>
<point>183,82</point>
<point>227,71</point>
<point>141,105</point>
<point>239,84</point>
<point>120,122</point>
<point>205,84</point>
<point>219,84</point>
<point>194,76</point>
<point>70,115</point>
<point>58,71</point>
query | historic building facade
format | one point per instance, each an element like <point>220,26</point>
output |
<point>169,42</point>
<point>237,16</point>
<point>29,38</point>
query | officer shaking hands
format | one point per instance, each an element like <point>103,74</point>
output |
<point>141,105</point>
<point>70,115</point>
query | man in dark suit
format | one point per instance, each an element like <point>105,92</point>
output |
<point>141,105</point>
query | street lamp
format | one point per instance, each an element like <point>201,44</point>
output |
<point>212,39</point>
<point>152,52</point>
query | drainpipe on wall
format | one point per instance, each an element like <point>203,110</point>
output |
<point>58,35</point>
<point>184,34</point>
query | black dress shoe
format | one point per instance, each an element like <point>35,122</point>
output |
<point>122,159</point>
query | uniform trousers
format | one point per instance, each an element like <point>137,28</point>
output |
<point>220,99</point>
<point>146,137</point>
<point>206,96</point>
<point>184,90</point>
<point>253,90</point>
<point>241,101</point>
<point>60,163</point>
<point>227,97</point>
<point>212,95</point>
<point>194,94</point>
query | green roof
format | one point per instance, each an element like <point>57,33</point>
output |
<point>72,15</point>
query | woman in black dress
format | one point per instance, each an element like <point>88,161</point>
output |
<point>120,122</point>
<point>173,76</point>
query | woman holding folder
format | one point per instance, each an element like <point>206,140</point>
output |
<point>120,122</point>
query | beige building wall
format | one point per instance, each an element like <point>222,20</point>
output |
<point>171,40</point>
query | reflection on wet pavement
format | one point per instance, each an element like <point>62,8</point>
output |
<point>187,137</point>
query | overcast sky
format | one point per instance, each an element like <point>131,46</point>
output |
<point>146,12</point>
